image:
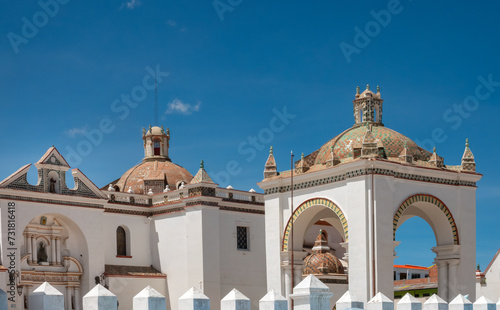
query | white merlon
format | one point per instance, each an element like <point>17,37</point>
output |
<point>235,300</point>
<point>193,300</point>
<point>408,302</point>
<point>483,303</point>
<point>349,300</point>
<point>149,299</point>
<point>46,297</point>
<point>311,294</point>
<point>460,303</point>
<point>99,298</point>
<point>273,301</point>
<point>435,303</point>
<point>380,302</point>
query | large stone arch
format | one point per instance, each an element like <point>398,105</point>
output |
<point>421,201</point>
<point>318,203</point>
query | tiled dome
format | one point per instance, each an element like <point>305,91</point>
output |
<point>322,261</point>
<point>155,170</point>
<point>393,143</point>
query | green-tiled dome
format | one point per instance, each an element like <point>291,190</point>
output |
<point>393,143</point>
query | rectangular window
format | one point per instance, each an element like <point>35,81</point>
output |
<point>415,276</point>
<point>242,237</point>
<point>402,276</point>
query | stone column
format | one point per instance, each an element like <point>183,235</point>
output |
<point>53,250</point>
<point>58,250</point>
<point>29,248</point>
<point>35,250</point>
<point>453,278</point>
<point>68,296</point>
<point>77,298</point>
<point>288,284</point>
<point>442,278</point>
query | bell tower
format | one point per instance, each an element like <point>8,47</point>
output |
<point>368,107</point>
<point>156,144</point>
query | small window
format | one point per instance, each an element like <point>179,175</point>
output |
<point>415,276</point>
<point>242,237</point>
<point>121,241</point>
<point>157,147</point>
<point>402,276</point>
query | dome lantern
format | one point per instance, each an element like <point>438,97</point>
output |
<point>156,144</point>
<point>368,106</point>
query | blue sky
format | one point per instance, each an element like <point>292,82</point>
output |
<point>227,66</point>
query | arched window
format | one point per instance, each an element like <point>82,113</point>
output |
<point>157,147</point>
<point>121,241</point>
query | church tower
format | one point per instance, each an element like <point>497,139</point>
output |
<point>156,143</point>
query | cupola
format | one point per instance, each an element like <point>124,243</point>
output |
<point>156,144</point>
<point>368,106</point>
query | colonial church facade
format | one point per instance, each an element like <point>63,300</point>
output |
<point>159,225</point>
<point>156,225</point>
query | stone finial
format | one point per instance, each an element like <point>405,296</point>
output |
<point>380,302</point>
<point>273,301</point>
<point>193,300</point>
<point>468,162</point>
<point>460,303</point>
<point>270,166</point>
<point>150,192</point>
<point>367,86</point>
<point>436,160</point>
<point>201,176</point>
<point>111,188</point>
<point>167,189</point>
<point>435,303</point>
<point>301,166</point>
<point>130,190</point>
<point>378,89</point>
<point>311,294</point>
<point>334,159</point>
<point>348,300</point>
<point>408,302</point>
<point>202,164</point>
<point>483,303</point>
<point>369,148</point>
<point>406,156</point>
<point>143,131</point>
<point>149,299</point>
<point>46,297</point>
<point>99,298</point>
<point>357,90</point>
<point>150,129</point>
<point>235,300</point>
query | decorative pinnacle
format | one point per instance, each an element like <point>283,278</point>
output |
<point>378,89</point>
<point>271,150</point>
<point>302,156</point>
<point>202,164</point>
<point>168,131</point>
<point>367,86</point>
<point>434,150</point>
<point>478,267</point>
<point>143,130</point>
<point>357,90</point>
<point>150,128</point>
<point>466,142</point>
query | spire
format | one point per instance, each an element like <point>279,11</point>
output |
<point>369,146</point>
<point>468,162</point>
<point>334,159</point>
<point>302,166</point>
<point>270,167</point>
<point>436,160</point>
<point>406,155</point>
<point>202,176</point>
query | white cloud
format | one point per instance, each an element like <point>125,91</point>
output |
<point>132,4</point>
<point>171,23</point>
<point>73,132</point>
<point>179,107</point>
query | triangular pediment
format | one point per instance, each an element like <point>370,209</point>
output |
<point>53,157</point>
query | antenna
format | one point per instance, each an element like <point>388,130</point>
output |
<point>156,101</point>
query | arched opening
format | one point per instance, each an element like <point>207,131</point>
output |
<point>157,147</point>
<point>54,182</point>
<point>427,246</point>
<point>121,241</point>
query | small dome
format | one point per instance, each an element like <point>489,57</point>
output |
<point>156,131</point>
<point>322,261</point>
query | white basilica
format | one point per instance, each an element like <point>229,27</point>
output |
<point>159,225</point>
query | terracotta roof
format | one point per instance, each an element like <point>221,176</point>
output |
<point>132,270</point>
<point>153,170</point>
